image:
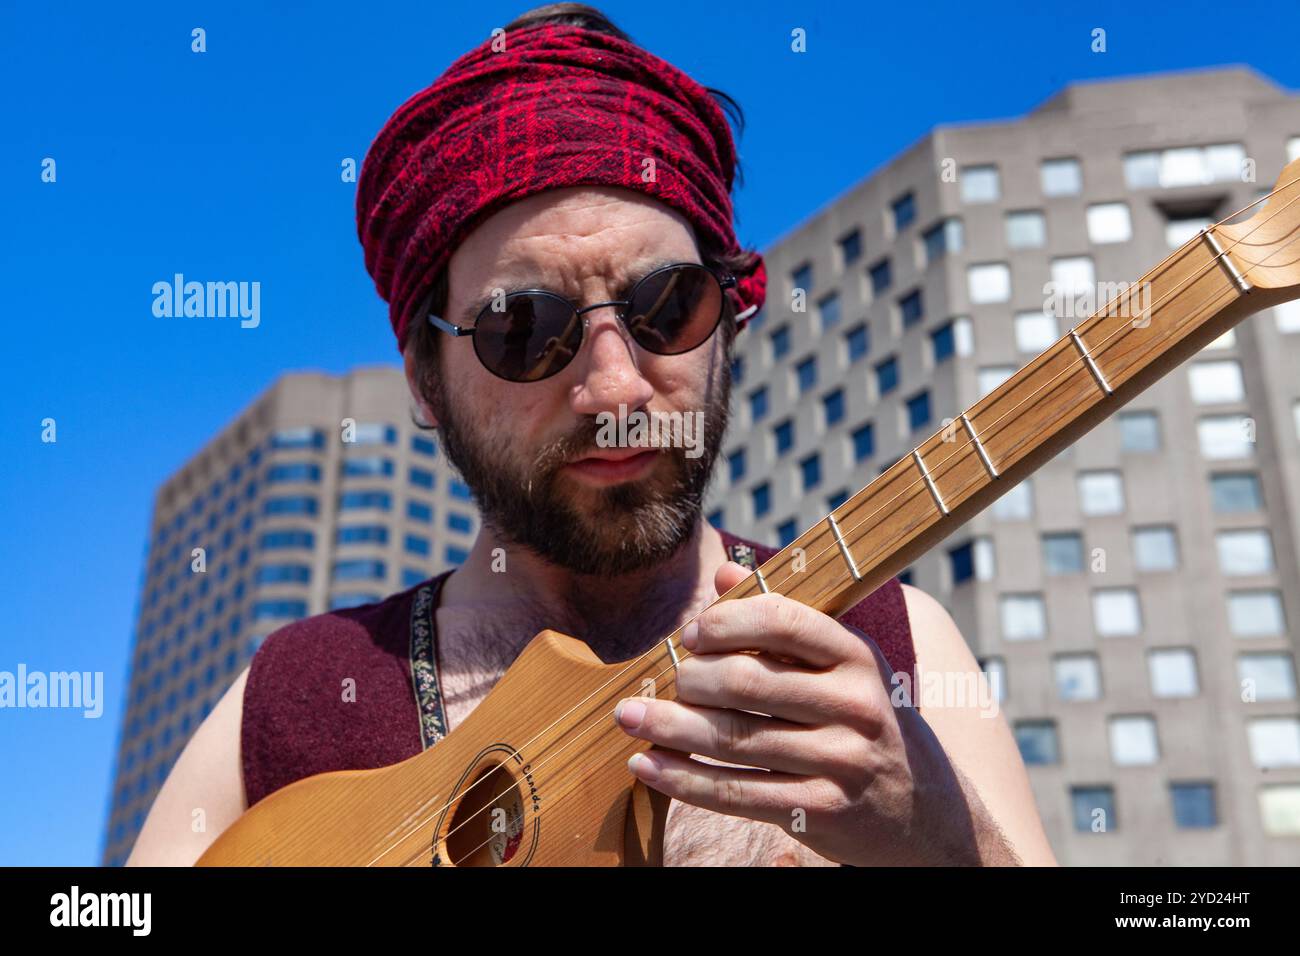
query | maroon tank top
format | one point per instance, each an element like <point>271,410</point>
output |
<point>358,689</point>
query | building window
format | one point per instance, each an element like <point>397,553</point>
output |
<point>286,538</point>
<point>910,309</point>
<point>1256,613</point>
<point>1274,742</point>
<point>292,471</point>
<point>421,478</point>
<point>1233,493</point>
<point>784,435</point>
<point>805,374</point>
<point>1270,676</point>
<point>837,499</point>
<point>419,511</point>
<point>758,404</point>
<point>762,499</point>
<point>780,342</point>
<point>1216,382</point>
<point>283,574</point>
<point>737,370</point>
<point>1139,431</point>
<point>851,248</point>
<point>973,560</point>
<point>988,379</point>
<point>1225,436</point>
<point>358,569</point>
<point>1116,613</point>
<point>297,438</point>
<point>881,276</point>
<point>300,505</point>
<point>1073,276</point>
<point>1038,742</point>
<point>1244,552</point>
<point>864,442</point>
<point>1077,676</point>
<point>455,555</point>
<point>995,672</point>
<point>943,343</point>
<point>1061,177</point>
<point>1109,222</point>
<point>833,407</point>
<point>829,310</point>
<point>715,518</point>
<point>918,410</point>
<point>1025,229</point>
<point>887,376</point>
<point>1180,230</point>
<point>279,609</point>
<point>1093,809</point>
<point>858,341</point>
<point>802,278</point>
<point>460,523</point>
<point>736,465</point>
<point>1279,807</point>
<point>340,602</point>
<point>811,469</point>
<point>1024,617</point>
<point>353,500</point>
<point>943,238</point>
<point>1063,552</point>
<point>1133,741</point>
<point>417,545</point>
<point>367,467</point>
<point>1184,166</point>
<point>1035,331</point>
<point>1101,493</point>
<point>988,282</point>
<point>1173,672</point>
<point>980,184</point>
<point>1155,548</point>
<point>424,446</point>
<point>1193,805</point>
<point>904,208</point>
<point>363,534</point>
<point>1016,504</point>
<point>786,532</point>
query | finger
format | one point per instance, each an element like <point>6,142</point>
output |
<point>759,683</point>
<point>774,624</point>
<point>728,575</point>
<point>734,736</point>
<point>736,791</point>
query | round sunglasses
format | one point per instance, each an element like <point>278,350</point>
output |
<point>531,335</point>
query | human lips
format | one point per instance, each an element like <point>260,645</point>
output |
<point>608,465</point>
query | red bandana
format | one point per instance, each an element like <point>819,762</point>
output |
<point>559,106</point>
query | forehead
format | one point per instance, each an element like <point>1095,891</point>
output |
<point>561,238</point>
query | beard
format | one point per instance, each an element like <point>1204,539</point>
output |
<point>618,529</point>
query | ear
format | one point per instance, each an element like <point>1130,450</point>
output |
<point>409,366</point>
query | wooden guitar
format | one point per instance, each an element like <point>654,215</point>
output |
<point>536,775</point>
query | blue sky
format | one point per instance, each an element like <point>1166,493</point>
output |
<point>225,165</point>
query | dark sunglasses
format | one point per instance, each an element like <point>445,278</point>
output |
<point>535,334</point>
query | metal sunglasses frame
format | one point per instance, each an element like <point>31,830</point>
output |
<point>725,281</point>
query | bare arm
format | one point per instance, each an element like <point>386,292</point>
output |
<point>976,739</point>
<point>203,794</point>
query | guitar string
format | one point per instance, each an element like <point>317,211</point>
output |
<point>960,454</point>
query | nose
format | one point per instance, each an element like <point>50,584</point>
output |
<point>608,366</point>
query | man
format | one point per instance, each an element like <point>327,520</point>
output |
<point>561,157</point>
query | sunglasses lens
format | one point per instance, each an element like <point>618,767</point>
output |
<point>675,310</point>
<point>531,338</point>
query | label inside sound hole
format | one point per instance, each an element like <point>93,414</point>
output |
<point>507,826</point>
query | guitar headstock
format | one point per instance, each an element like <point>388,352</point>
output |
<point>1266,247</point>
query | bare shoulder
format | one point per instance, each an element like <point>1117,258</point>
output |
<point>958,705</point>
<point>202,795</point>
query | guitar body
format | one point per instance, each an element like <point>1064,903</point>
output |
<point>553,791</point>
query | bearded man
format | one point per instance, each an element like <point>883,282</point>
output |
<point>551,225</point>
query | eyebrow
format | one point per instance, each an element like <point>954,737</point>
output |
<point>627,277</point>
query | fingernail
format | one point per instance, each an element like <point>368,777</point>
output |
<point>644,767</point>
<point>629,713</point>
<point>691,635</point>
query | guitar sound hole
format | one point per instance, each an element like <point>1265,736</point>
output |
<point>488,825</point>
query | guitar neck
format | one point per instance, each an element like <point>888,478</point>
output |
<point>1195,296</point>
